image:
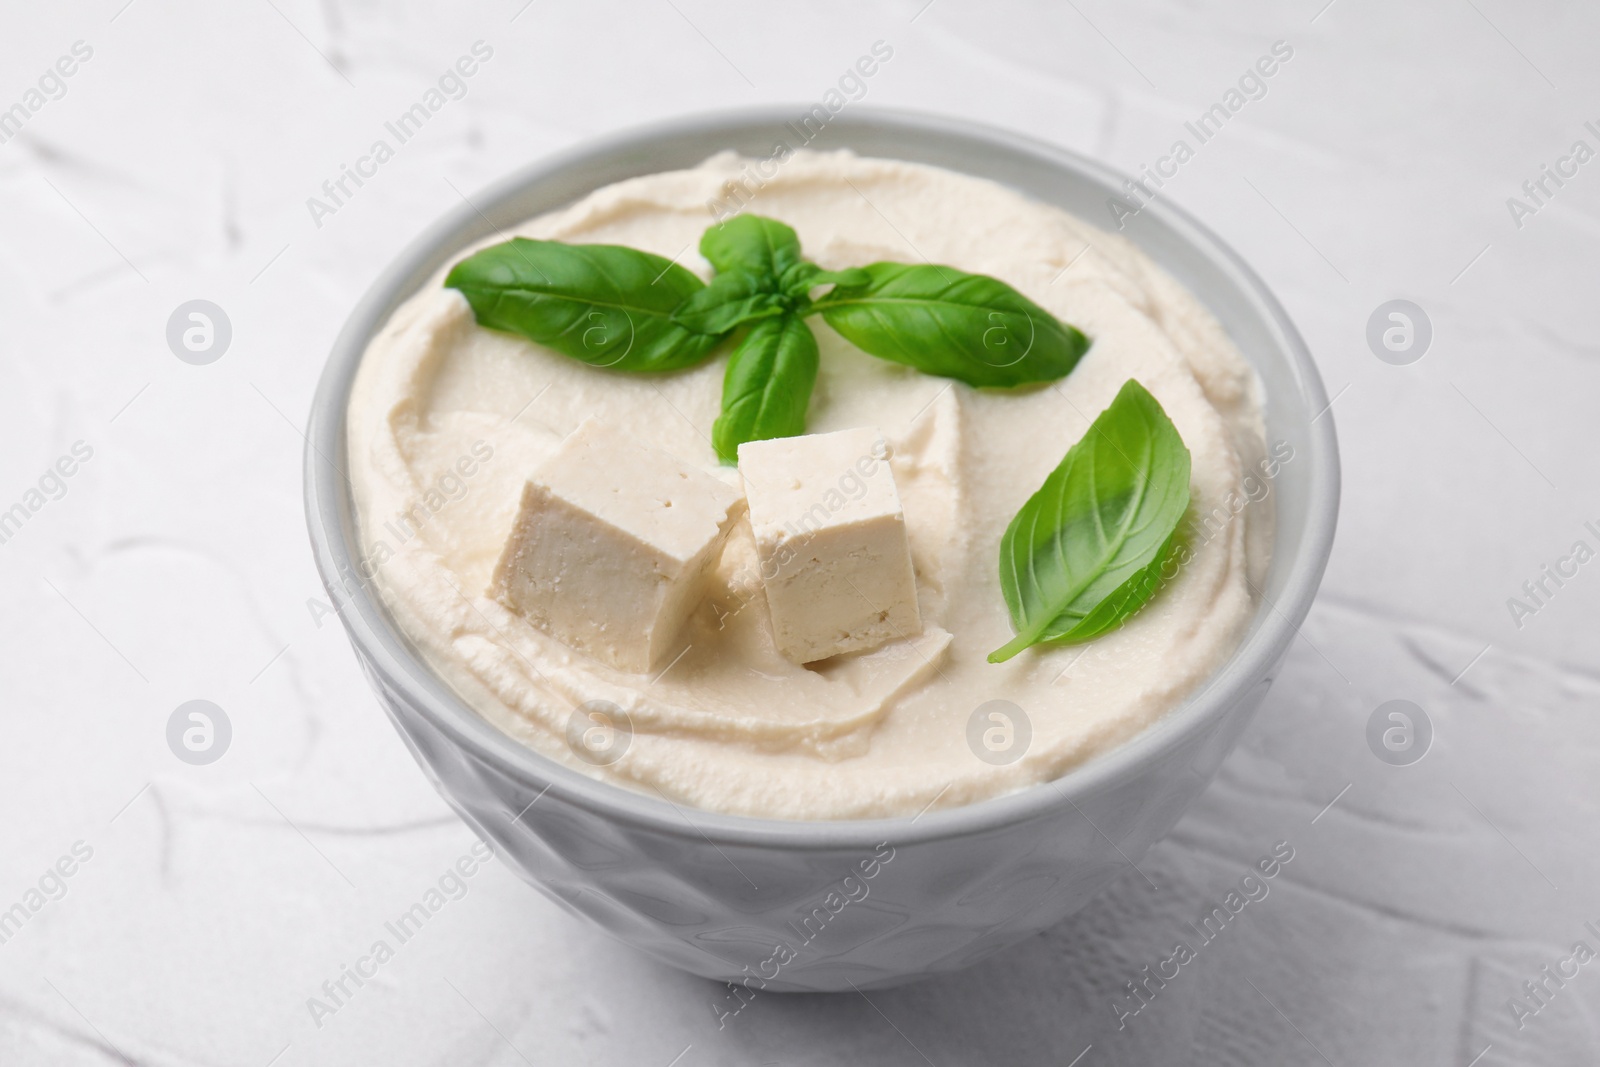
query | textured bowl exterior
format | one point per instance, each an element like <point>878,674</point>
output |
<point>722,910</point>
<point>824,906</point>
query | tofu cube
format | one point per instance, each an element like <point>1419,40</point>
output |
<point>611,547</point>
<point>831,537</point>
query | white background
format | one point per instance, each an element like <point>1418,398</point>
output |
<point>218,899</point>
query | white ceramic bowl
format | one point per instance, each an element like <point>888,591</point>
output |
<point>759,900</point>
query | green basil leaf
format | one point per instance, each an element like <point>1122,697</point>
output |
<point>753,244</point>
<point>797,282</point>
<point>768,385</point>
<point>1128,598</point>
<point>729,300</point>
<point>1084,552</point>
<point>603,304</point>
<point>943,321</point>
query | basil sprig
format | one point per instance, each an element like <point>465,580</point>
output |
<point>759,274</point>
<point>617,307</point>
<point>1086,551</point>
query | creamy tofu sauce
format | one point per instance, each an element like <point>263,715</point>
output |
<point>447,421</point>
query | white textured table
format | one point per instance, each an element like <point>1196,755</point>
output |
<point>206,904</point>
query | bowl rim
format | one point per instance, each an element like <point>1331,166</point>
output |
<point>382,647</point>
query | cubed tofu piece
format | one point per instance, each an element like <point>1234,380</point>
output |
<point>611,547</point>
<point>831,536</point>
